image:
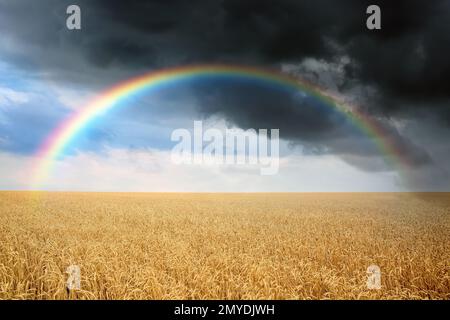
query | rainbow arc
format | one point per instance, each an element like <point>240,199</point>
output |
<point>65,133</point>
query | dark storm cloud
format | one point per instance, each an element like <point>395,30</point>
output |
<point>406,63</point>
<point>407,59</point>
<point>303,120</point>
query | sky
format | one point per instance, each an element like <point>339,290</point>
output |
<point>399,76</point>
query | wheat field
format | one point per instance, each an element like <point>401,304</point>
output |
<point>224,246</point>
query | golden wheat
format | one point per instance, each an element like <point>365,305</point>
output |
<point>224,246</point>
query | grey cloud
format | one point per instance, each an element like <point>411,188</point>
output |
<point>399,72</point>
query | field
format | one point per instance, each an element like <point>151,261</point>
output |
<point>224,246</point>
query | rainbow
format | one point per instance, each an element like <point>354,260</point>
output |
<point>62,136</point>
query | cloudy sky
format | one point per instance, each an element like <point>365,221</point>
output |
<point>399,76</point>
